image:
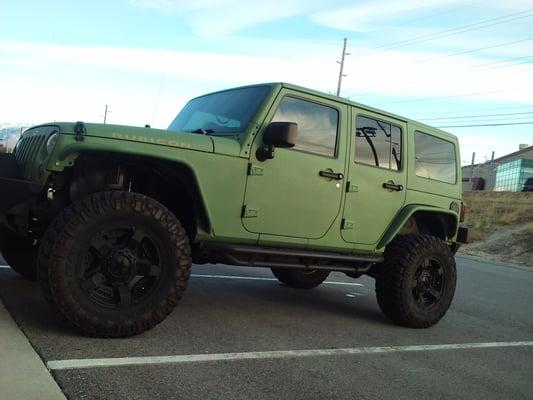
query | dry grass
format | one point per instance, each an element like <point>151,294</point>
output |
<point>487,212</point>
<point>500,226</point>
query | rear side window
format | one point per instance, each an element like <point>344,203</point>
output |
<point>435,158</point>
<point>317,125</point>
<point>378,143</point>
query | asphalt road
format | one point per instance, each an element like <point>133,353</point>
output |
<point>221,315</point>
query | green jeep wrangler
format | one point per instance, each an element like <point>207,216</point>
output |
<point>110,218</point>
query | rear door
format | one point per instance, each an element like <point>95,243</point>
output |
<point>377,176</point>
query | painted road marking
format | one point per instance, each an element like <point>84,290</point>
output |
<point>250,278</point>
<point>261,355</point>
<point>254,278</point>
<point>354,294</point>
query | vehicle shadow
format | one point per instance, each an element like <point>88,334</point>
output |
<point>208,299</point>
<point>26,304</point>
<point>320,301</point>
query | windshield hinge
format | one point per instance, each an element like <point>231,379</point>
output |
<point>80,131</point>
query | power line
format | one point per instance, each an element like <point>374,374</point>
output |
<point>422,83</point>
<point>449,32</point>
<point>455,96</point>
<point>522,70</point>
<point>473,50</point>
<point>476,116</point>
<point>502,124</point>
<point>465,28</point>
<point>487,120</point>
<point>499,62</point>
<point>480,110</point>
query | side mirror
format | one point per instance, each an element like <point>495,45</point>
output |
<point>280,134</point>
<point>277,134</point>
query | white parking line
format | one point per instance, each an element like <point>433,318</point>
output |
<point>261,355</point>
<point>354,295</point>
<point>249,278</point>
<point>254,278</point>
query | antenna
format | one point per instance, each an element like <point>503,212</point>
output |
<point>157,98</point>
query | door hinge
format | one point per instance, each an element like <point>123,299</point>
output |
<point>351,187</point>
<point>346,224</point>
<point>254,169</point>
<point>249,212</point>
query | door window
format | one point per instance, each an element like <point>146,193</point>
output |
<point>317,125</point>
<point>378,143</point>
<point>435,158</point>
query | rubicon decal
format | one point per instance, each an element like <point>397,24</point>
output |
<point>149,139</point>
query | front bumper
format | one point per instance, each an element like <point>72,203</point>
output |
<point>14,192</point>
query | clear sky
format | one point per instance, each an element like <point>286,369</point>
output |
<point>471,62</point>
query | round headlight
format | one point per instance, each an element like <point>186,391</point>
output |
<point>51,142</point>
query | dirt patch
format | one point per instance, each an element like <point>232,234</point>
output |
<point>500,226</point>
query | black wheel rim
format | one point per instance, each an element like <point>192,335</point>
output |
<point>428,283</point>
<point>121,267</point>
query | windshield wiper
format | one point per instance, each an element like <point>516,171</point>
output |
<point>203,131</point>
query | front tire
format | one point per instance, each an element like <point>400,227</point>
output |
<point>114,264</point>
<point>300,279</point>
<point>415,284</point>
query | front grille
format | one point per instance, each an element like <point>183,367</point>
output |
<point>30,151</point>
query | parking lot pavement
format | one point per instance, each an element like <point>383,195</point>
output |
<point>239,334</point>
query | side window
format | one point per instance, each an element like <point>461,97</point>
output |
<point>378,143</point>
<point>435,158</point>
<point>317,125</point>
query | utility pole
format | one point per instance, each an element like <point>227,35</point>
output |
<point>105,113</point>
<point>490,186</point>
<point>472,169</point>
<point>342,66</point>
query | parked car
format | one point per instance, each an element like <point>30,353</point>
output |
<point>528,185</point>
<point>110,218</point>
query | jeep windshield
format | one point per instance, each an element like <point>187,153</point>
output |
<point>220,114</point>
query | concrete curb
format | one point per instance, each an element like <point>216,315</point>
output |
<point>23,375</point>
<point>497,263</point>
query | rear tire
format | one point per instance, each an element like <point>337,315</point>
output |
<point>415,284</point>
<point>20,252</point>
<point>300,279</point>
<point>114,264</point>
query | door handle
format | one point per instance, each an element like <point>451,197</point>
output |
<point>332,175</point>
<point>392,186</point>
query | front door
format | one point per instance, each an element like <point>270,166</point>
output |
<point>377,176</point>
<point>298,193</point>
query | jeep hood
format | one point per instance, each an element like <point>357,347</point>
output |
<point>159,137</point>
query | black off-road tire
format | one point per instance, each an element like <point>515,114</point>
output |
<point>415,284</point>
<point>66,245</point>
<point>300,279</point>
<point>20,252</point>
